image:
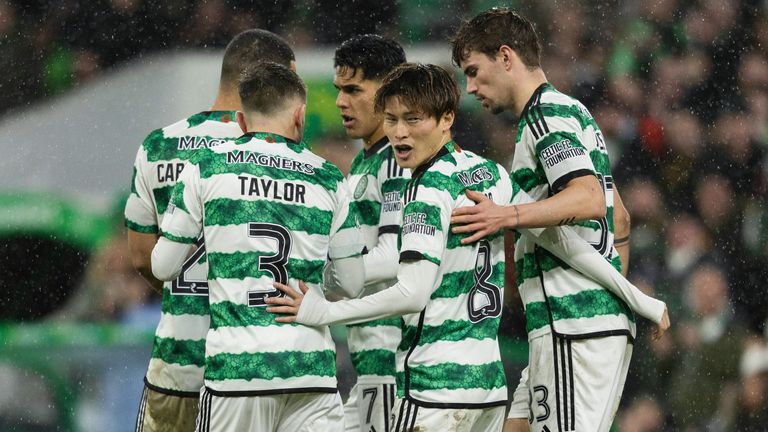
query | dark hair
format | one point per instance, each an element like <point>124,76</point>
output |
<point>424,87</point>
<point>491,29</point>
<point>374,56</point>
<point>251,47</point>
<point>267,87</point>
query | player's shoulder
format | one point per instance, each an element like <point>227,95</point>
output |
<point>455,170</point>
<point>277,151</point>
<point>554,106</point>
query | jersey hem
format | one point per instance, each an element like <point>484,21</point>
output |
<point>448,405</point>
<point>169,392</point>
<point>271,392</point>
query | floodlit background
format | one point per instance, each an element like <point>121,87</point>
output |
<point>679,88</point>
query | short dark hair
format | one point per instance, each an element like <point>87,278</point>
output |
<point>425,87</point>
<point>267,87</point>
<point>251,47</point>
<point>373,55</point>
<point>491,29</point>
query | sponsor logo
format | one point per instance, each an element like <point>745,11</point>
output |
<point>560,151</point>
<point>475,177</point>
<point>362,185</point>
<point>271,161</point>
<point>416,223</point>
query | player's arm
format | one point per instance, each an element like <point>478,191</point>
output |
<point>181,226</point>
<point>417,276</point>
<point>577,193</point>
<point>141,221</point>
<point>519,407</point>
<point>567,245</point>
<point>415,282</point>
<point>381,262</point>
<point>141,245</point>
<point>345,272</point>
<point>621,230</point>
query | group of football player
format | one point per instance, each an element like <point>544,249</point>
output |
<point>257,236</point>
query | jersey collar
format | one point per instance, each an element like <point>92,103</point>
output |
<point>378,145</point>
<point>535,97</point>
<point>266,136</point>
<point>449,147</point>
<point>220,116</point>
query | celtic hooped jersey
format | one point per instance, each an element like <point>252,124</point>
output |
<point>558,140</point>
<point>265,206</point>
<point>377,183</point>
<point>450,350</point>
<point>176,365</point>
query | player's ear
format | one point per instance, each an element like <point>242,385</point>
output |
<point>241,121</point>
<point>446,121</point>
<point>298,118</point>
<point>292,65</point>
<point>506,55</point>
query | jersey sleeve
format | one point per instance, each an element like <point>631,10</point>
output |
<point>183,219</point>
<point>346,235</point>
<point>391,182</point>
<point>140,213</point>
<point>559,149</point>
<point>425,226</point>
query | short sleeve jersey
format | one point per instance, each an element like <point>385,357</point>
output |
<point>558,140</point>
<point>265,206</point>
<point>176,365</point>
<point>377,183</point>
<point>450,352</point>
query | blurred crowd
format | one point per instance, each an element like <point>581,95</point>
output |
<point>679,88</point>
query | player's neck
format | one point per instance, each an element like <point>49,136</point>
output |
<point>374,138</point>
<point>525,89</point>
<point>226,101</point>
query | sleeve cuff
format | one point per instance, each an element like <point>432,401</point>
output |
<point>560,183</point>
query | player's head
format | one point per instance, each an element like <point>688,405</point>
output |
<point>495,50</point>
<point>249,48</point>
<point>419,103</point>
<point>273,97</point>
<point>361,63</point>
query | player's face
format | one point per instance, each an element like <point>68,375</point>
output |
<point>485,80</point>
<point>414,136</point>
<point>355,101</point>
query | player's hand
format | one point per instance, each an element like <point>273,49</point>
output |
<point>289,304</point>
<point>662,326</point>
<point>482,219</point>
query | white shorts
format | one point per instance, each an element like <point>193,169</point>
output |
<point>575,385</point>
<point>412,418</point>
<point>163,412</point>
<point>295,412</point>
<point>369,407</point>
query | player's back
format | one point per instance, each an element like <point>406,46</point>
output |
<point>267,208</point>
<point>558,140</point>
<point>451,348</point>
<point>177,355</point>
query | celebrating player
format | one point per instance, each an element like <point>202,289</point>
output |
<point>175,373</point>
<point>449,294</point>
<point>580,332</point>
<point>377,182</point>
<point>265,205</point>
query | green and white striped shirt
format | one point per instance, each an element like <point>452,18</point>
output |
<point>265,206</point>
<point>377,183</point>
<point>450,352</point>
<point>558,140</point>
<point>176,365</point>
